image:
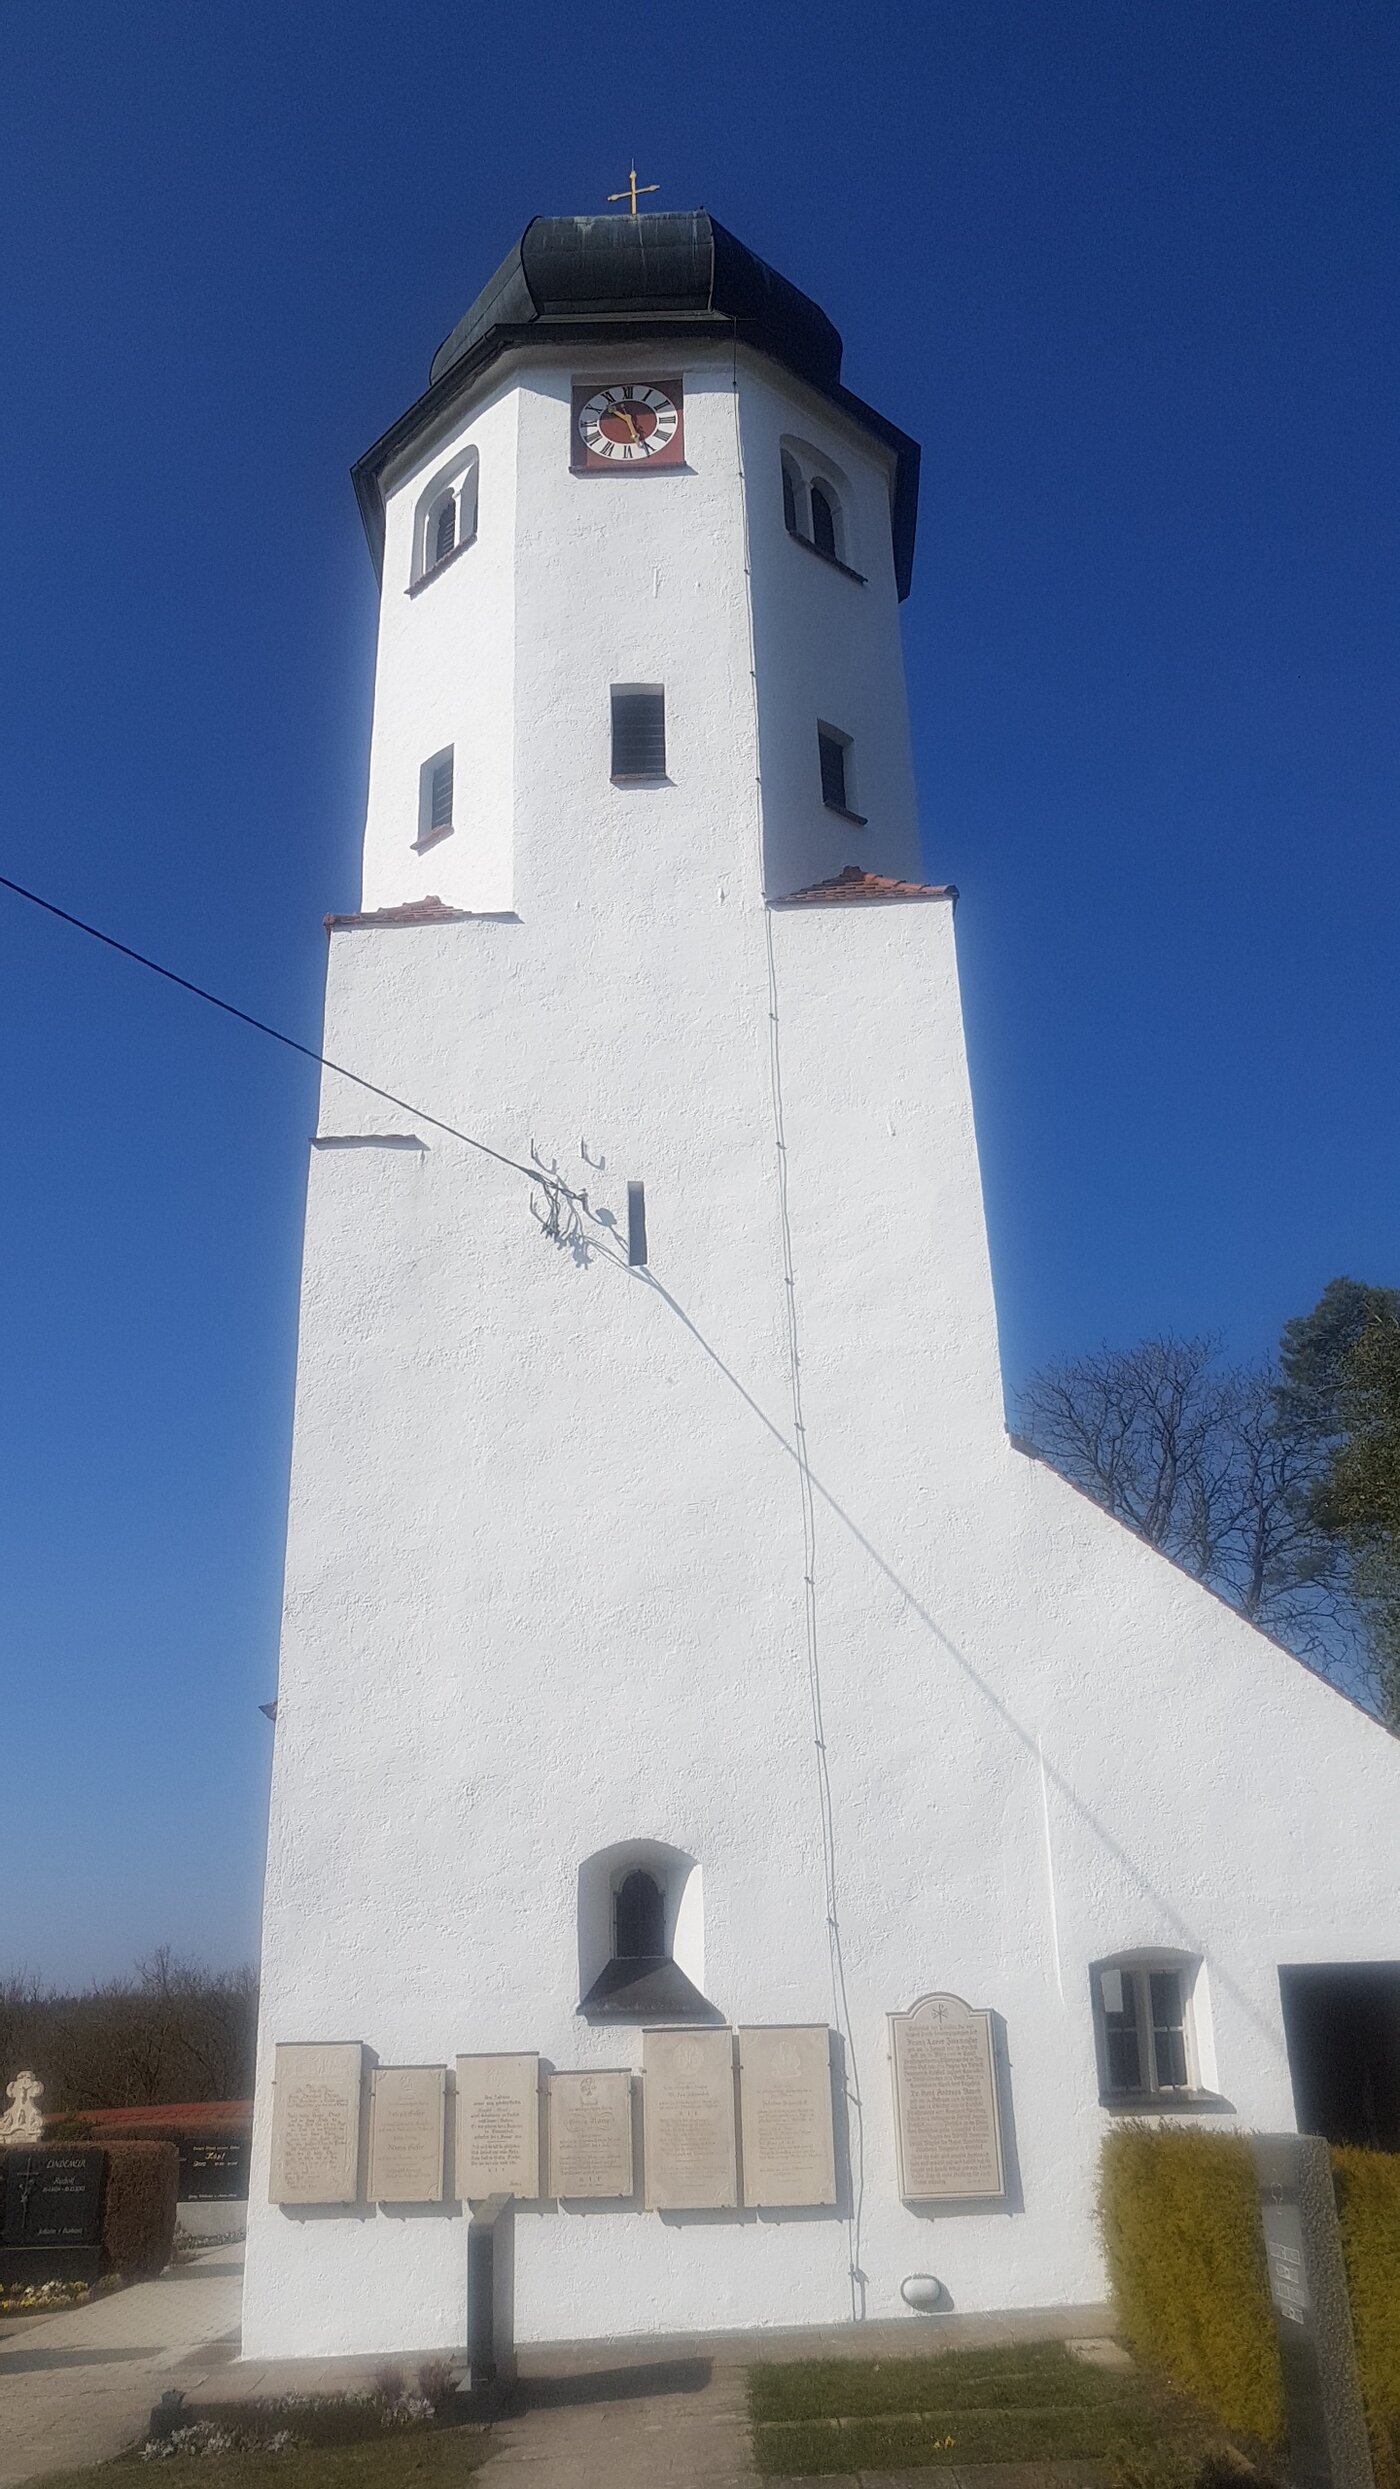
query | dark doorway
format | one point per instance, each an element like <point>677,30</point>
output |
<point>1342,2023</point>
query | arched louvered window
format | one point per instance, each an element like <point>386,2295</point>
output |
<point>445,530</point>
<point>790,499</point>
<point>824,521</point>
<point>640,1921</point>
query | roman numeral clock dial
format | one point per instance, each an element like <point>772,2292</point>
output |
<point>627,427</point>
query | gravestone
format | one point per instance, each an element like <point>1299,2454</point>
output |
<point>213,2170</point>
<point>688,2120</point>
<point>316,2094</point>
<point>406,2110</point>
<point>785,2115</point>
<point>498,2127</point>
<point>590,2135</point>
<point>1327,2440</point>
<point>947,2123</point>
<point>51,2213</point>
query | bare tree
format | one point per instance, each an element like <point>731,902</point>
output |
<point>1210,1463</point>
<point>172,2032</point>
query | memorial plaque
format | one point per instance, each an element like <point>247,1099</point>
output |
<point>590,2134</point>
<point>945,2102</point>
<point>688,2119</point>
<point>406,2105</point>
<point>316,2123</point>
<point>498,2128</point>
<point>785,2115</point>
<point>214,2172</point>
<point>51,2222</point>
<point>1327,2439</point>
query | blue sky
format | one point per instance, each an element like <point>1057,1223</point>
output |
<point>1126,271</point>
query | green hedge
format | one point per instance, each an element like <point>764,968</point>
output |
<point>1179,2213</point>
<point>1368,2208</point>
<point>138,2207</point>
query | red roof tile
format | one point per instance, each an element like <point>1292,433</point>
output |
<point>853,882</point>
<point>430,911</point>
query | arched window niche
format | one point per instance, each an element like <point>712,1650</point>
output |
<point>816,496</point>
<point>444,519</point>
<point>641,1935</point>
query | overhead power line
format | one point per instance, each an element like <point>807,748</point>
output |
<point>534,1175</point>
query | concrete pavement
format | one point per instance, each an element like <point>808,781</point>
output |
<point>78,2387</point>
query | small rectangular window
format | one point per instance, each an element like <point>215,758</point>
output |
<point>833,749</point>
<point>1118,1991</point>
<point>638,731</point>
<point>1168,2030</point>
<point>435,799</point>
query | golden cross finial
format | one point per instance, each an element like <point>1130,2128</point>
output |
<point>633,192</point>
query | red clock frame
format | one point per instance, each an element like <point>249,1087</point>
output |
<point>633,395</point>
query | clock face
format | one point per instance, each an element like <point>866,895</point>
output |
<point>628,424</point>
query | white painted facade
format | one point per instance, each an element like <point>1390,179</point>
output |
<point>548,1542</point>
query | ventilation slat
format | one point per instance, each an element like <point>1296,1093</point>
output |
<point>639,734</point>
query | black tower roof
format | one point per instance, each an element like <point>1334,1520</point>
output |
<point>652,276</point>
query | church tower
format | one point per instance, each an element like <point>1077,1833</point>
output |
<point>673,1640</point>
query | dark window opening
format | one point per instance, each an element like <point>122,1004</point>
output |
<point>640,1920</point>
<point>638,734</point>
<point>790,501</point>
<point>1168,2030</point>
<point>1122,2049</point>
<point>440,796</point>
<point>445,534</point>
<point>823,522</point>
<point>833,760</point>
<point>1341,2021</point>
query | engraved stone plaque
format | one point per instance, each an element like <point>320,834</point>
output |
<point>590,2134</point>
<point>945,2102</point>
<point>498,2127</point>
<point>688,2119</point>
<point>316,2123</point>
<point>785,2115</point>
<point>406,2106</point>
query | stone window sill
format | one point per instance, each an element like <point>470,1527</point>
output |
<point>641,777</point>
<point>833,561</point>
<point>418,585</point>
<point>1162,2103</point>
<point>858,820</point>
<point>433,838</point>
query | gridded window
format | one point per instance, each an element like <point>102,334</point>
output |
<point>790,492</point>
<point>435,798</point>
<point>638,731</point>
<point>824,521</point>
<point>834,754</point>
<point>1142,2017</point>
<point>445,530</point>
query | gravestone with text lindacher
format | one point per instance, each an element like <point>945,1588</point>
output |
<point>51,2213</point>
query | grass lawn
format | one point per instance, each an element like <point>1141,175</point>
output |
<point>395,2459</point>
<point>1021,2404</point>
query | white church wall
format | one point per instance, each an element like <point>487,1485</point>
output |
<point>825,647</point>
<point>545,1595</point>
<point>444,675</point>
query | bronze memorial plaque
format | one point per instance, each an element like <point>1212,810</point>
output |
<point>945,2100</point>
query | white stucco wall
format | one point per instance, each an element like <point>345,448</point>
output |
<point>546,1547</point>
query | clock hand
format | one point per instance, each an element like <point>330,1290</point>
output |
<point>630,420</point>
